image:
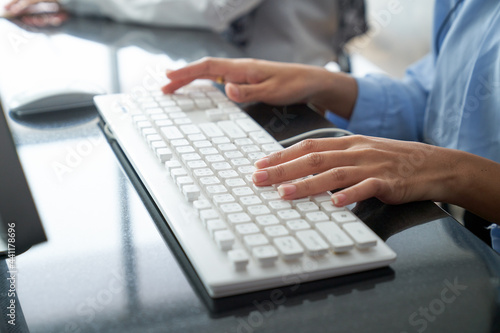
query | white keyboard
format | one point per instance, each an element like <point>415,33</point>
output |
<point>194,152</point>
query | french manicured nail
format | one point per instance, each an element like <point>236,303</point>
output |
<point>338,199</point>
<point>262,163</point>
<point>260,176</point>
<point>286,189</point>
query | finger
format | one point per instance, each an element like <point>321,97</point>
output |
<point>302,148</point>
<point>331,179</point>
<point>172,86</point>
<point>313,163</point>
<point>244,93</point>
<point>368,188</point>
<point>230,70</point>
<point>10,4</point>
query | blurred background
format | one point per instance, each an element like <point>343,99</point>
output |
<point>400,33</point>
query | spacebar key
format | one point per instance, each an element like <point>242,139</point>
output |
<point>231,129</point>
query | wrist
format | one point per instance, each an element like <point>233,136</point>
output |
<point>474,185</point>
<point>334,91</point>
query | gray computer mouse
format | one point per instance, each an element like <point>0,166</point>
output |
<point>54,98</point>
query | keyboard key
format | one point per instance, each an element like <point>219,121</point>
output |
<point>258,210</point>
<point>250,200</point>
<point>208,214</point>
<point>224,239</point>
<point>171,133</point>
<point>337,238</point>
<point>239,258</point>
<point>223,198</point>
<point>164,154</point>
<point>297,225</point>
<point>234,182</point>
<point>313,243</point>
<point>270,195</point>
<point>288,214</point>
<point>230,174</point>
<point>232,130</point>
<point>231,208</point>
<point>255,240</point>
<point>288,247</point>
<point>276,231</point>
<point>202,172</point>
<point>306,206</point>
<point>191,192</point>
<point>211,130</point>
<point>215,225</point>
<point>201,204</point>
<point>246,229</point>
<point>266,220</point>
<point>242,191</point>
<point>361,234</point>
<point>319,198</point>
<point>248,125</point>
<point>238,218</point>
<point>344,216</point>
<point>276,205</point>
<point>315,217</point>
<point>328,207</point>
<point>265,255</point>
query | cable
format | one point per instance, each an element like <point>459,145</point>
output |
<point>316,132</point>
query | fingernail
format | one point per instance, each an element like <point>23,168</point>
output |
<point>233,90</point>
<point>338,199</point>
<point>259,176</point>
<point>262,163</point>
<point>286,189</point>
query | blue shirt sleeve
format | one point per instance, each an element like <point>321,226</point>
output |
<point>393,108</point>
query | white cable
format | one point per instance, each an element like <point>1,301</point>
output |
<point>316,132</point>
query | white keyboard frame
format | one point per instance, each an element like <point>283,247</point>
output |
<point>214,269</point>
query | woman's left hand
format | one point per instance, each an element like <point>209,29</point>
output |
<point>361,167</point>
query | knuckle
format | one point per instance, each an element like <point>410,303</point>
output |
<point>307,185</point>
<point>276,156</point>
<point>280,171</point>
<point>208,63</point>
<point>376,185</point>
<point>314,160</point>
<point>308,145</point>
<point>338,175</point>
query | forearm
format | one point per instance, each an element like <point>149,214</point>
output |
<point>478,186</point>
<point>336,92</point>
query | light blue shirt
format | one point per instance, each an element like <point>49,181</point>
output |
<point>451,98</point>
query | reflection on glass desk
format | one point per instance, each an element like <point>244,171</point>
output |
<point>106,268</point>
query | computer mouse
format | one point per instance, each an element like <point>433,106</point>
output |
<point>54,98</point>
